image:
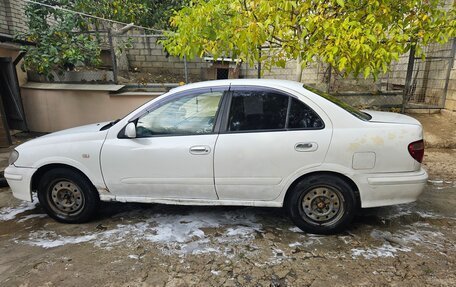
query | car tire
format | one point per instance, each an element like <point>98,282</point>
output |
<point>67,196</point>
<point>321,204</point>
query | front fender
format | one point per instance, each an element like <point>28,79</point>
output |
<point>92,171</point>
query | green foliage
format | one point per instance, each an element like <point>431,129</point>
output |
<point>61,43</point>
<point>147,13</point>
<point>353,36</point>
<point>128,11</point>
<point>160,11</point>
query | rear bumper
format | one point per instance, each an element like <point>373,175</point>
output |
<point>390,188</point>
<point>19,179</point>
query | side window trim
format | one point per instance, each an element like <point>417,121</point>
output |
<point>287,119</point>
<point>226,112</point>
<point>220,115</point>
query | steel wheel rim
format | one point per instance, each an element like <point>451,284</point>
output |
<point>322,205</point>
<point>66,198</point>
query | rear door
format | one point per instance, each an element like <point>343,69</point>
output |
<point>266,136</point>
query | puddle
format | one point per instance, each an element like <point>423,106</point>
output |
<point>174,233</point>
<point>440,184</point>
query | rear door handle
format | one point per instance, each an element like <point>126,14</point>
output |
<point>200,149</point>
<point>306,146</point>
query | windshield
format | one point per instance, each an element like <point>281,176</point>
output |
<point>352,110</point>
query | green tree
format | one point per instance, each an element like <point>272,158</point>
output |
<point>58,46</point>
<point>354,36</point>
<point>60,41</point>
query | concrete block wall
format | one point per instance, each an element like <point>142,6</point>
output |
<point>4,29</point>
<point>149,56</point>
<point>12,17</point>
<point>146,55</point>
<point>311,74</point>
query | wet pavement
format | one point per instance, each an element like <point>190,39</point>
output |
<point>159,245</point>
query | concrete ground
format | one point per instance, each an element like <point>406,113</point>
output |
<point>158,245</point>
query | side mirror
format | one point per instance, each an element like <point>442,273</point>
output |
<point>130,130</point>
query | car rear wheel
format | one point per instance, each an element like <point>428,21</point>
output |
<point>67,196</point>
<point>322,204</point>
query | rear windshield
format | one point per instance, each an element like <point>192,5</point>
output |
<point>352,110</point>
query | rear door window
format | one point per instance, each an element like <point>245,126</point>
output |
<point>257,110</point>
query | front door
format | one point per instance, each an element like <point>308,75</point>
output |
<point>172,155</point>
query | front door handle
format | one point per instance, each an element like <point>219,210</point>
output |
<point>306,146</point>
<point>200,149</point>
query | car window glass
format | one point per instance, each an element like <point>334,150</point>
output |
<point>303,117</point>
<point>257,110</point>
<point>192,114</point>
<point>354,111</point>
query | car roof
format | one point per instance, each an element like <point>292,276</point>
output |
<point>272,83</point>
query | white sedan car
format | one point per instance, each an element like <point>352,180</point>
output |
<point>231,142</point>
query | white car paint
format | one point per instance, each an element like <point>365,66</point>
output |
<point>254,169</point>
<point>159,167</point>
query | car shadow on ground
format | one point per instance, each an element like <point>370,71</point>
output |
<point>275,218</point>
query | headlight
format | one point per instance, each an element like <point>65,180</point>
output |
<point>13,157</point>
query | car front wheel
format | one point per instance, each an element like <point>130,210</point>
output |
<point>321,204</point>
<point>67,196</point>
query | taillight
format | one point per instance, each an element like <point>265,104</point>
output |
<point>416,150</point>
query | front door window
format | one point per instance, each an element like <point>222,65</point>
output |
<point>189,115</point>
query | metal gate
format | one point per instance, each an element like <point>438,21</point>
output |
<point>10,95</point>
<point>427,80</point>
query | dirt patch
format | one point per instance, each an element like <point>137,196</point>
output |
<point>438,130</point>
<point>440,164</point>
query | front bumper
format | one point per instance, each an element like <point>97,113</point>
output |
<point>390,188</point>
<point>19,179</point>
